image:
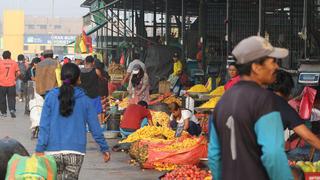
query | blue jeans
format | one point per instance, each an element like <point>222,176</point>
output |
<point>125,134</point>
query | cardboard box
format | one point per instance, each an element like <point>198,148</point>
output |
<point>164,87</point>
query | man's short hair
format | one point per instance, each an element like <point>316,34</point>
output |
<point>283,84</point>
<point>6,55</point>
<point>21,57</point>
<point>245,69</point>
<point>89,59</point>
<point>143,103</point>
<point>48,54</point>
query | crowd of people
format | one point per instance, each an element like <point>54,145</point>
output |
<point>246,126</point>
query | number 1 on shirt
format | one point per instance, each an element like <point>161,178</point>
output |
<point>230,125</point>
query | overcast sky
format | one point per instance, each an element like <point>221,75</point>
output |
<point>62,8</point>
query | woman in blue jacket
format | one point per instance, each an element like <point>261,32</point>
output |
<point>66,112</point>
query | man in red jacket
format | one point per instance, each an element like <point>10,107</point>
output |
<point>135,117</point>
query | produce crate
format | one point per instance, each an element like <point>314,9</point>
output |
<point>116,77</point>
<point>312,176</point>
<point>164,87</point>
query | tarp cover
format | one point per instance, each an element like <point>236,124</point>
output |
<point>159,63</point>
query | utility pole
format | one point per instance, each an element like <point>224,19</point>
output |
<point>52,24</point>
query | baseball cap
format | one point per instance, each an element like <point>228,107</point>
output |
<point>256,47</point>
<point>136,69</point>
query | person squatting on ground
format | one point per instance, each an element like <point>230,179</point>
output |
<point>66,112</point>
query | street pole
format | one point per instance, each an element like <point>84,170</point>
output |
<point>52,24</point>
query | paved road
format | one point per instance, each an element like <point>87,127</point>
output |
<point>93,167</point>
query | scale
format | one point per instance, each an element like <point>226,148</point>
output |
<point>309,78</point>
<point>309,72</point>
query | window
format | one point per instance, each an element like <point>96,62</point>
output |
<point>30,26</point>
<point>43,26</point>
<point>42,48</point>
<point>57,26</point>
<point>26,47</point>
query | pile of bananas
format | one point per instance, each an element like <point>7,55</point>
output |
<point>172,99</point>
<point>152,133</point>
<point>211,103</point>
<point>185,144</point>
<point>160,118</point>
<point>124,103</point>
<point>164,166</point>
<point>199,88</point>
<point>218,91</point>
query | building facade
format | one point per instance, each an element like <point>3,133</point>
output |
<point>31,35</point>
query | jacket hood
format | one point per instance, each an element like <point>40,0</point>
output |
<point>78,92</point>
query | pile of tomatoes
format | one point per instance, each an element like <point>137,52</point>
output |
<point>189,172</point>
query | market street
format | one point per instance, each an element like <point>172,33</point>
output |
<point>93,166</point>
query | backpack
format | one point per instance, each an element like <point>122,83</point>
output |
<point>23,70</point>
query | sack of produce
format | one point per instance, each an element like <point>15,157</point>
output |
<point>182,151</point>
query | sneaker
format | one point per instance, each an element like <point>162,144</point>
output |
<point>13,115</point>
<point>3,114</point>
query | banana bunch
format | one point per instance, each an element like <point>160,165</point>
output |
<point>160,166</point>
<point>172,99</point>
<point>124,103</point>
<point>160,118</point>
<point>185,144</point>
<point>152,133</point>
<point>211,103</point>
<point>199,88</point>
<point>218,91</point>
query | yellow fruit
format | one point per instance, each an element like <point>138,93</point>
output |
<point>124,103</point>
<point>199,88</point>
<point>152,133</point>
<point>160,118</point>
<point>185,144</point>
<point>164,166</point>
<point>211,103</point>
<point>218,91</point>
<point>172,99</point>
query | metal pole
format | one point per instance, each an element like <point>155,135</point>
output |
<point>111,27</point>
<point>305,31</point>
<point>260,17</point>
<point>154,18</point>
<point>227,27</point>
<point>125,19</point>
<point>182,28</point>
<point>167,23</point>
<point>118,24</point>
<point>132,21</point>
<point>52,26</point>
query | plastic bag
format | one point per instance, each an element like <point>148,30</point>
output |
<point>307,101</point>
<point>32,168</point>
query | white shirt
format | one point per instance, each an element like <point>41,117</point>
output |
<point>63,152</point>
<point>185,114</point>
<point>315,115</point>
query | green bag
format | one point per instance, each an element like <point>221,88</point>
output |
<point>31,168</point>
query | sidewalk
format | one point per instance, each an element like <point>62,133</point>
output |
<point>93,167</point>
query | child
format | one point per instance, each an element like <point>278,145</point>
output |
<point>66,111</point>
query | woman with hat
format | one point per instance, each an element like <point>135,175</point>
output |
<point>138,85</point>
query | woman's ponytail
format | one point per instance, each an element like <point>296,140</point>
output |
<point>69,75</point>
